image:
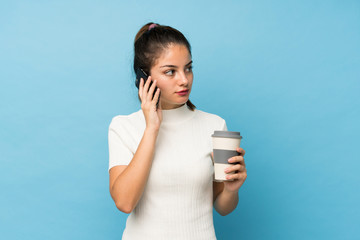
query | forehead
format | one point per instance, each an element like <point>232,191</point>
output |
<point>175,54</point>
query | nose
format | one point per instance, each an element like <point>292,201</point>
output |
<point>183,79</point>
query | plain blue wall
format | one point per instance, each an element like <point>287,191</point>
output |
<point>288,76</point>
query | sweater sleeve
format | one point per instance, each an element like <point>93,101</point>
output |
<point>119,151</point>
<point>224,127</point>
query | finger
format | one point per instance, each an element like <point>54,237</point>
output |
<point>241,151</point>
<point>236,168</point>
<point>156,96</point>
<point>237,159</point>
<point>238,176</point>
<point>146,87</point>
<point>151,91</point>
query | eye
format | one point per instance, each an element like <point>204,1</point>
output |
<point>169,72</point>
<point>189,69</point>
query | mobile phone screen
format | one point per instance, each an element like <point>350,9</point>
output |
<point>141,74</point>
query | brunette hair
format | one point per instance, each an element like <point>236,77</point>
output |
<point>149,44</point>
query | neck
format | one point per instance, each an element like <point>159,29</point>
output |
<point>177,115</point>
<point>165,106</point>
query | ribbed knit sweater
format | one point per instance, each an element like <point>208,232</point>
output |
<point>177,202</point>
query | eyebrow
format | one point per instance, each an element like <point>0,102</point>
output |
<point>175,66</point>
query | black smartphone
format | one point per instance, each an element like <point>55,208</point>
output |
<point>141,74</point>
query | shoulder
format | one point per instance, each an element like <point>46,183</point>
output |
<point>210,119</point>
<point>125,121</point>
<point>207,116</point>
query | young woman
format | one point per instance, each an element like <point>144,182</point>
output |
<point>160,158</point>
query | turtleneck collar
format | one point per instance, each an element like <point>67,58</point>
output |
<point>177,115</point>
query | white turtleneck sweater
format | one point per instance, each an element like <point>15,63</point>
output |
<point>177,202</point>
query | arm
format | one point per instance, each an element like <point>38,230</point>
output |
<point>127,183</point>
<point>226,193</point>
<point>226,201</point>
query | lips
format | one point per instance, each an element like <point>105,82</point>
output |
<point>183,91</point>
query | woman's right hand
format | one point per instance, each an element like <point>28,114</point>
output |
<point>153,116</point>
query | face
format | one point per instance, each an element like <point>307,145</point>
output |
<point>173,73</point>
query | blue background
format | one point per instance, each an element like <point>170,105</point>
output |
<point>287,74</point>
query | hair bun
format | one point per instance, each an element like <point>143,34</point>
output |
<point>152,26</point>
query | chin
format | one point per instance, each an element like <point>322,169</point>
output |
<point>174,102</point>
<point>184,101</point>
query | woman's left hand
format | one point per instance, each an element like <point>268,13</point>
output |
<point>240,172</point>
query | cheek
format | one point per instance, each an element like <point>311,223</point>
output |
<point>162,85</point>
<point>191,80</point>
<point>160,81</point>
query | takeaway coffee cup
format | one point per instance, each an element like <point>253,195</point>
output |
<point>224,147</point>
